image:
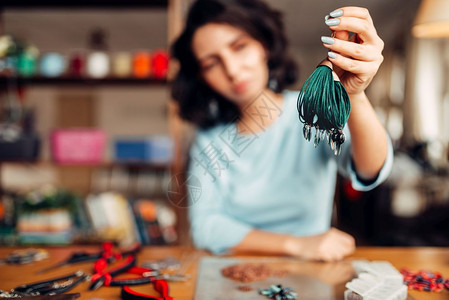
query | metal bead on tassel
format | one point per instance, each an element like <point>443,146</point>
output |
<point>307,131</point>
<point>317,140</point>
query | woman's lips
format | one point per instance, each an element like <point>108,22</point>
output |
<point>241,87</point>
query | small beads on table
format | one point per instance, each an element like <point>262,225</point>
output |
<point>424,280</point>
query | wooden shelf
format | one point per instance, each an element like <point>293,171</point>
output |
<point>126,165</point>
<point>82,81</point>
<point>91,4</point>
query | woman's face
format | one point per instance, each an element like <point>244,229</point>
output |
<point>231,62</point>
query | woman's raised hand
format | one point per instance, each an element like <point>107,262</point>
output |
<point>357,57</point>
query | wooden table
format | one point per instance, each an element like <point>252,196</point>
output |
<point>433,259</point>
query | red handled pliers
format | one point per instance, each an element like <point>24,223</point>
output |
<point>161,286</point>
<point>128,266</point>
<point>102,277</point>
<point>106,252</point>
<point>108,255</point>
<point>146,276</point>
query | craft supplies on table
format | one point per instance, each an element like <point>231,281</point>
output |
<point>302,277</point>
<point>377,280</point>
<point>425,280</point>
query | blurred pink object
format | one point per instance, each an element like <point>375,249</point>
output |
<point>85,146</point>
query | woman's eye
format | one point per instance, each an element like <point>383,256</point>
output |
<point>209,66</point>
<point>240,46</point>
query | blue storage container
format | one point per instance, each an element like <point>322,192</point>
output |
<point>161,149</point>
<point>154,149</point>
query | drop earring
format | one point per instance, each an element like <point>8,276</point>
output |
<point>323,103</point>
<point>213,109</point>
<point>273,84</point>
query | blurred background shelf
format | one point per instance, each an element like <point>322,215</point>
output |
<point>123,107</point>
<point>27,4</point>
<point>110,164</point>
<point>73,81</point>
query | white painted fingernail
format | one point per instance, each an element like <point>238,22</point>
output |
<point>327,40</point>
<point>332,22</point>
<point>336,13</point>
<point>332,54</point>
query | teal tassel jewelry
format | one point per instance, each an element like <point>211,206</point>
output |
<point>323,103</point>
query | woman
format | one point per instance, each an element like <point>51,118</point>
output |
<point>263,188</point>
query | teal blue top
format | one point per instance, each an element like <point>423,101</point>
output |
<point>272,180</point>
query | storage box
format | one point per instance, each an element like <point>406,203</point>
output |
<point>26,147</point>
<point>154,149</point>
<point>72,146</point>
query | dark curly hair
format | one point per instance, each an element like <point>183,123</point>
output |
<point>198,103</point>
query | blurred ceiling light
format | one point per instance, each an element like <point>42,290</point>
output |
<point>432,19</point>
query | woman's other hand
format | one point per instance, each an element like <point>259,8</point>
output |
<point>332,245</point>
<point>356,58</point>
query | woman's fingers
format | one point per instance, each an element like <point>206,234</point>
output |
<point>345,240</point>
<point>361,55</point>
<point>354,66</point>
<point>351,49</point>
<point>341,35</point>
<point>356,58</point>
<point>353,11</point>
<point>335,245</point>
<point>365,30</point>
<point>354,19</point>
